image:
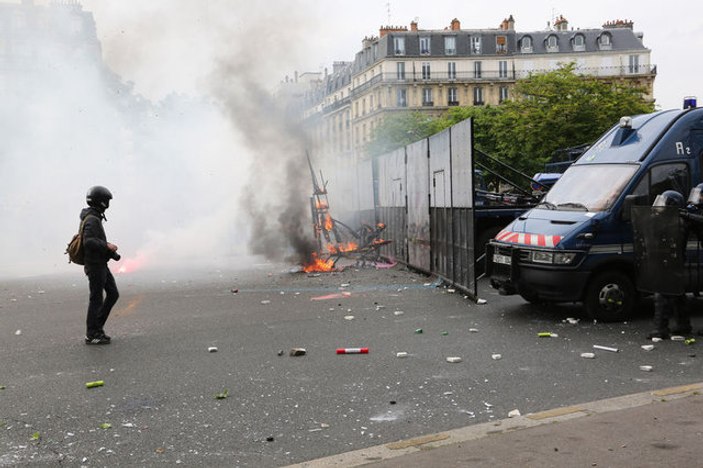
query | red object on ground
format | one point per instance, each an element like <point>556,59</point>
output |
<point>352,350</point>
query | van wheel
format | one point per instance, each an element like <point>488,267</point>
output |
<point>610,296</point>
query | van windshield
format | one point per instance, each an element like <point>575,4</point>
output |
<point>588,187</point>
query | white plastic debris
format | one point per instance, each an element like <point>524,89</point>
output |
<point>496,357</point>
<point>487,405</point>
<point>481,301</point>
<point>454,359</point>
<point>572,321</point>
<point>18,332</point>
<point>646,368</point>
<point>648,347</point>
<point>266,301</point>
<point>128,425</point>
<point>212,349</point>
<point>677,338</point>
<point>588,355</point>
<point>452,291</point>
<point>348,317</point>
<point>401,354</point>
<point>398,312</point>
<point>606,348</point>
<point>514,413</point>
<point>656,339</point>
<point>473,330</point>
<point>344,285</point>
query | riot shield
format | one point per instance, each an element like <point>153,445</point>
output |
<point>659,244</point>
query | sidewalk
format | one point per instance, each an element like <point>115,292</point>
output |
<point>650,429</point>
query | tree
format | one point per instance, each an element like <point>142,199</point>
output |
<point>401,129</point>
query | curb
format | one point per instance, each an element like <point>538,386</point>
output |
<point>432,441</point>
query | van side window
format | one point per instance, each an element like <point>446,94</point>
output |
<point>663,177</point>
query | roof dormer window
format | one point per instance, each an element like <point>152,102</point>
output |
<point>552,43</point>
<point>399,45</point>
<point>605,41</point>
<point>526,45</point>
<point>578,42</point>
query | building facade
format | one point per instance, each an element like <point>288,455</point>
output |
<point>410,69</point>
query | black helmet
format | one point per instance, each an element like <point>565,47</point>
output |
<point>98,197</point>
<point>669,198</point>
<point>696,196</point>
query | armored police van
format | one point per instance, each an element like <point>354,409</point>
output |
<point>576,244</point>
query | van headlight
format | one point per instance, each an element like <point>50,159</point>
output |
<point>552,258</point>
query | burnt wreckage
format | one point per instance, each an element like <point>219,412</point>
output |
<point>335,239</point>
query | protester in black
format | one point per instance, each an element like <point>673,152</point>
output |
<point>97,253</point>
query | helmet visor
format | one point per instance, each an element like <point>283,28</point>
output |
<point>696,196</point>
<point>660,200</point>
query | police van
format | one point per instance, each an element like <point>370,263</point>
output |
<point>576,245</point>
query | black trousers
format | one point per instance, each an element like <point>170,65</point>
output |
<point>99,279</point>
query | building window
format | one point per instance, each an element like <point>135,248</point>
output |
<point>371,102</point>
<point>400,70</point>
<point>450,45</point>
<point>526,45</point>
<point>477,69</point>
<point>451,71</point>
<point>399,45</point>
<point>604,41</point>
<point>634,64</point>
<point>425,45</point>
<point>579,43</point>
<point>501,45</point>
<point>427,97</point>
<point>475,44</point>
<point>425,70</point>
<point>402,98</point>
<point>478,96</point>
<point>503,69</point>
<point>452,97</point>
<point>552,43</point>
<point>503,93</point>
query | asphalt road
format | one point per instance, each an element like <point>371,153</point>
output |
<point>160,381</point>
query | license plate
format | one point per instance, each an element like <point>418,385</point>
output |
<point>503,259</point>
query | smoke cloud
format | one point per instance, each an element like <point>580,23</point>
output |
<point>203,167</point>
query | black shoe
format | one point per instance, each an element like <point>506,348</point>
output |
<point>102,334</point>
<point>97,340</point>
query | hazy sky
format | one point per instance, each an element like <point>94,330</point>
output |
<point>163,45</point>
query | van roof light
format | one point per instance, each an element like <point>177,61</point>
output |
<point>626,122</point>
<point>689,102</point>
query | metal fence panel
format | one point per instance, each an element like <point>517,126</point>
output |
<point>418,203</point>
<point>462,166</point>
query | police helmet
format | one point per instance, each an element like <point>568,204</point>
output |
<point>696,196</point>
<point>669,198</point>
<point>98,197</point>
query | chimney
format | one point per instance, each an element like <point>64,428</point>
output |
<point>413,26</point>
<point>619,24</point>
<point>504,25</point>
<point>456,25</point>
<point>391,29</point>
<point>561,24</point>
<point>511,23</point>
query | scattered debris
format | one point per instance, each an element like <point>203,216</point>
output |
<point>97,383</point>
<point>398,312</point>
<point>105,426</point>
<point>496,357</point>
<point>348,317</point>
<point>445,333</point>
<point>606,348</point>
<point>648,347</point>
<point>514,413</point>
<point>2,387</point>
<point>646,368</point>
<point>265,301</point>
<point>448,393</point>
<point>401,354</point>
<point>481,301</point>
<point>298,352</point>
<point>473,330</point>
<point>547,335</point>
<point>128,425</point>
<point>280,352</point>
<point>392,402</point>
<point>269,439</point>
<point>344,285</point>
<point>222,395</point>
<point>451,291</point>
<point>454,359</point>
<point>18,332</point>
<point>212,349</point>
<point>234,290</point>
<point>418,331</point>
<point>487,405</point>
<point>588,355</point>
<point>690,341</point>
<point>352,350</point>
<point>656,339</point>
<point>572,321</point>
<point>677,338</point>
<point>36,436</point>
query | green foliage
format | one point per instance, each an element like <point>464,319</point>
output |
<point>550,110</point>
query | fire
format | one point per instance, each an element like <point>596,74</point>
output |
<point>318,264</point>
<point>129,265</point>
<point>320,205</point>
<point>329,223</point>
<point>343,247</point>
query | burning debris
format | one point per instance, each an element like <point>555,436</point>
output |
<point>334,239</point>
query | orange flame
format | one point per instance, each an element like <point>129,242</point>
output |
<point>329,223</point>
<point>348,247</point>
<point>320,205</point>
<point>318,264</point>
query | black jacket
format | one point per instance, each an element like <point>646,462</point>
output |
<point>94,240</point>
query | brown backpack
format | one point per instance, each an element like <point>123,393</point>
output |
<point>75,251</point>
